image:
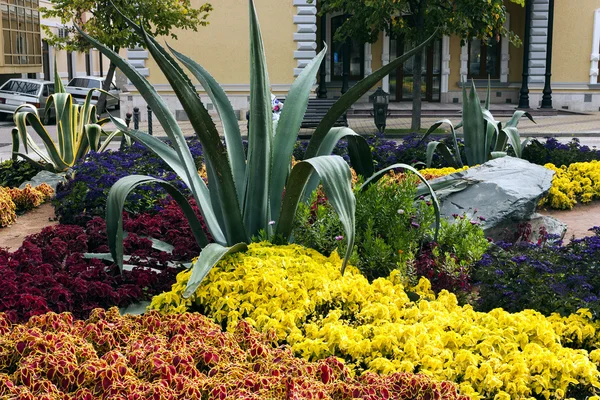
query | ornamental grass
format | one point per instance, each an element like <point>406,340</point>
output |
<point>108,356</point>
<point>300,296</point>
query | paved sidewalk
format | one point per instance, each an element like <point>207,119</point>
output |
<point>565,125</point>
<point>584,126</point>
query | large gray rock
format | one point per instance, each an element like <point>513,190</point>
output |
<point>44,176</point>
<point>504,191</point>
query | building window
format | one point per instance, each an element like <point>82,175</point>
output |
<point>484,60</point>
<point>21,32</point>
<point>357,54</point>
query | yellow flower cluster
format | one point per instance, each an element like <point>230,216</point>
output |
<point>31,197</point>
<point>428,173</point>
<point>300,295</point>
<point>8,209</point>
<point>19,200</point>
<point>577,182</point>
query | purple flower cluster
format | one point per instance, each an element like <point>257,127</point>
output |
<point>385,152</point>
<point>557,153</point>
<point>560,278</point>
<point>84,195</point>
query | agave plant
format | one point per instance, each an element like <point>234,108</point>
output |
<point>78,130</point>
<point>484,137</point>
<point>245,195</point>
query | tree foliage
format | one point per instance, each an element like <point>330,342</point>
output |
<point>101,20</point>
<point>483,19</point>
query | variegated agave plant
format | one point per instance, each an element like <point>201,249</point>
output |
<point>245,195</point>
<point>484,137</point>
<point>78,130</point>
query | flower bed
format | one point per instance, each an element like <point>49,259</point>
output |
<point>17,201</point>
<point>557,153</point>
<point>50,273</point>
<point>548,279</point>
<point>375,327</point>
<point>185,356</point>
<point>579,182</point>
<point>84,195</point>
<point>393,232</point>
<point>388,152</point>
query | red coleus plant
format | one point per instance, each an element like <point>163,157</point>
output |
<point>50,273</point>
<point>177,357</point>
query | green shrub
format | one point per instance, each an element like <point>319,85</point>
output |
<point>14,173</point>
<point>390,226</point>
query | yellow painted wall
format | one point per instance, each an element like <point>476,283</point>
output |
<point>223,46</point>
<point>572,40</point>
<point>454,77</point>
<point>61,61</point>
<point>377,51</point>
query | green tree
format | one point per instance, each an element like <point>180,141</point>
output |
<point>416,20</point>
<point>100,19</point>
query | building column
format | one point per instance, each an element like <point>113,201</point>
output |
<point>445,64</point>
<point>385,59</point>
<point>464,63</point>
<point>547,96</point>
<point>524,97</point>
<point>368,59</point>
<point>595,56</point>
<point>92,51</point>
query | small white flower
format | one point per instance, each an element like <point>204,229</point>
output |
<point>271,222</point>
<point>400,211</point>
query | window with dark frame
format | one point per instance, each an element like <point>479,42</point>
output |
<point>484,59</point>
<point>357,54</point>
<point>21,33</point>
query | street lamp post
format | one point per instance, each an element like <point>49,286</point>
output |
<point>380,100</point>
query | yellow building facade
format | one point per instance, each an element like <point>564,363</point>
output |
<point>293,33</point>
<point>68,64</point>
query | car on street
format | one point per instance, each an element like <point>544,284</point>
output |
<point>16,92</point>
<point>81,85</point>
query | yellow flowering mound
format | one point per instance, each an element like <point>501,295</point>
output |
<point>31,197</point>
<point>577,182</point>
<point>8,209</point>
<point>300,295</point>
<point>428,173</point>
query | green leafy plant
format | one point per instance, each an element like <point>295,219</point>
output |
<point>484,137</point>
<point>249,196</point>
<point>78,131</point>
<point>391,226</point>
<point>14,172</point>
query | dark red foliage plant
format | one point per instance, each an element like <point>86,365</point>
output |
<point>50,272</point>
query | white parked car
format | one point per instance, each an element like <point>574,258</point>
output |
<point>80,86</point>
<point>16,92</point>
